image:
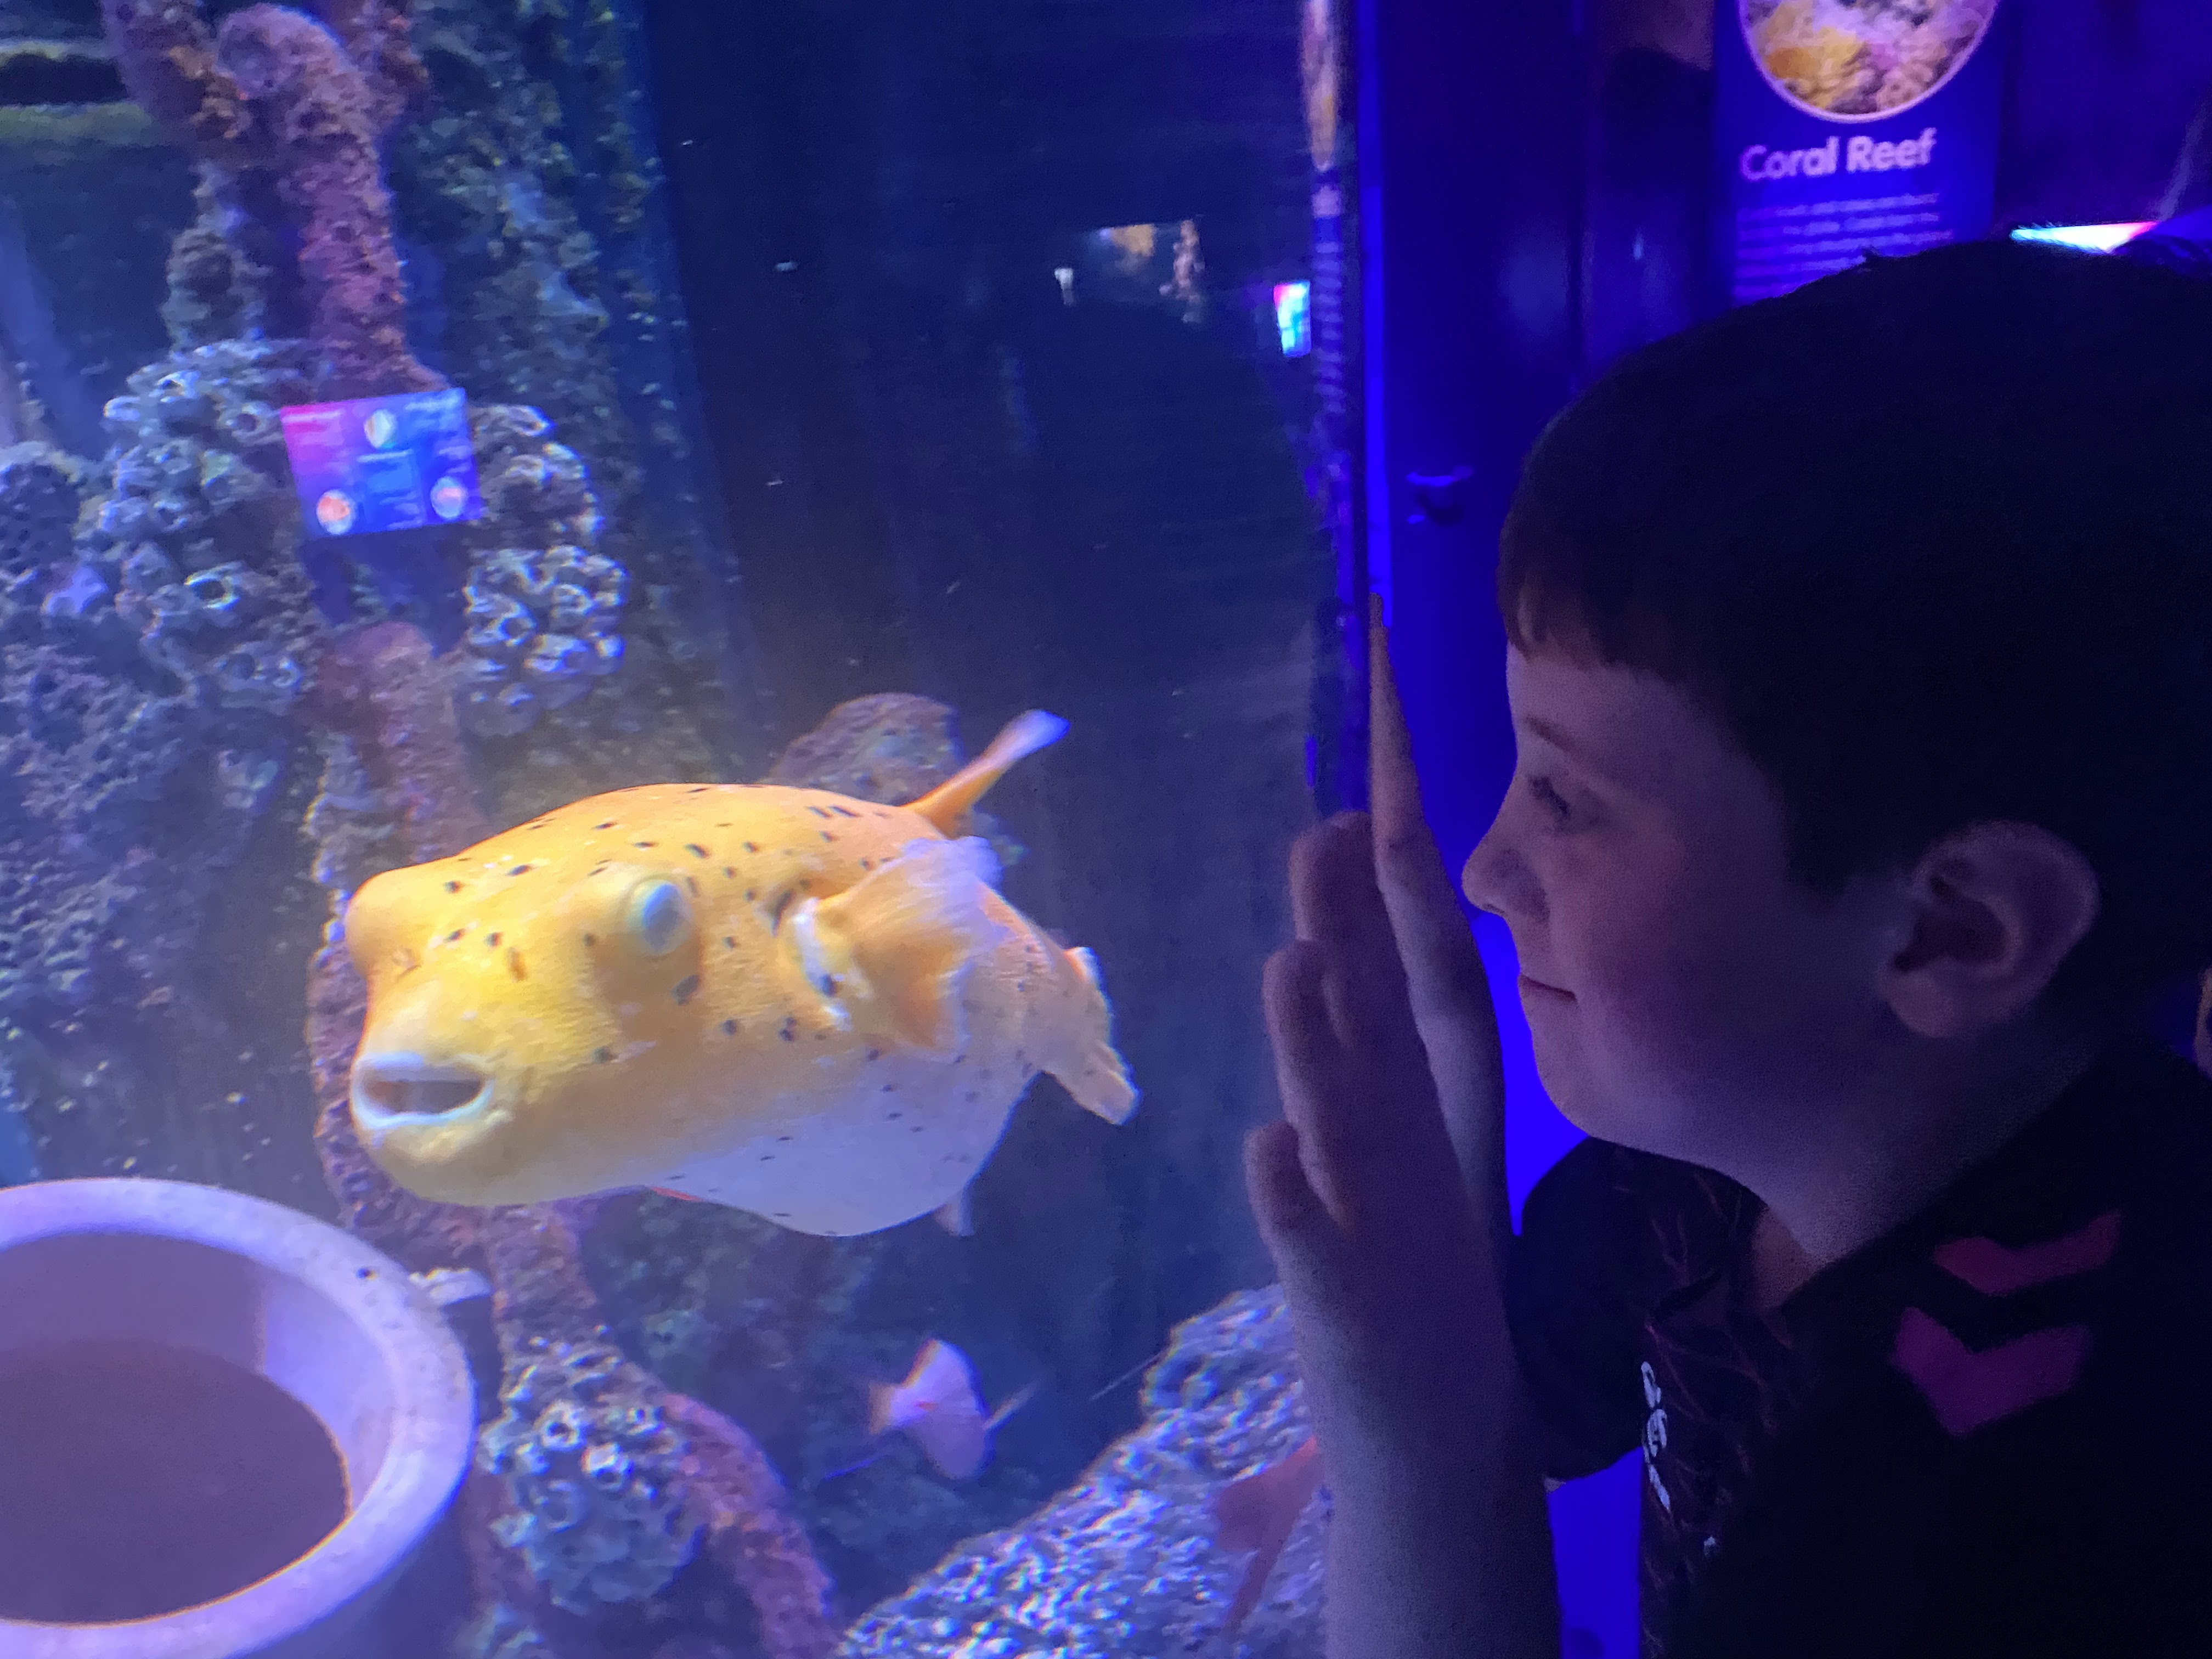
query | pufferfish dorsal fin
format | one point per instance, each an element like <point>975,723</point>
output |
<point>951,800</point>
<point>896,947</point>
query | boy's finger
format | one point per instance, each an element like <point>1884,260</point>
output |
<point>1284,1202</point>
<point>1304,1243</point>
<point>1339,911</point>
<point>1443,970</point>
<point>1445,983</point>
<point>1311,1074</point>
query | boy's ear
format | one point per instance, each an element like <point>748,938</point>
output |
<point>1996,908</point>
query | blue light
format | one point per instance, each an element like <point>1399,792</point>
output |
<point>1294,317</point>
<point>2094,239</point>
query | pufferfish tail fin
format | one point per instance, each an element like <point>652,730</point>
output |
<point>951,800</point>
<point>898,946</point>
<point>1086,1062</point>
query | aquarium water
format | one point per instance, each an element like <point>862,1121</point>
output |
<point>657,663</point>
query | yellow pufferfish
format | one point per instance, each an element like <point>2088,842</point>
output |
<point>813,1008</point>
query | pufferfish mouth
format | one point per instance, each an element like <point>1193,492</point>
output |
<point>391,1089</point>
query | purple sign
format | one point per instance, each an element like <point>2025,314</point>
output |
<point>1849,127</point>
<point>380,464</point>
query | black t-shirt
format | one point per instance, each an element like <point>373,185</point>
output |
<point>1989,1433</point>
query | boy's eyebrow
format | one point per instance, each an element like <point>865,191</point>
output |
<point>1574,748</point>
<point>1556,738</point>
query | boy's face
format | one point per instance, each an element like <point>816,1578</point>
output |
<point>1685,996</point>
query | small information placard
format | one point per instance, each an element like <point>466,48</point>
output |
<point>372,464</point>
<point>1848,127</point>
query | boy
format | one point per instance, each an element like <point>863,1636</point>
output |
<point>1862,677</point>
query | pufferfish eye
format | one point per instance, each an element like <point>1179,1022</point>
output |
<point>659,917</point>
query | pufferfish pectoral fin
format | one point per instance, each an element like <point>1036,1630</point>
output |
<point>1082,1056</point>
<point>903,940</point>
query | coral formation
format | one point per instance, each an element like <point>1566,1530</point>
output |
<point>544,610</point>
<point>500,1633</point>
<point>105,750</point>
<point>485,175</point>
<point>39,489</point>
<point>594,1471</point>
<point>192,546</point>
<point>891,747</point>
<point>288,113</point>
<point>1126,1562</point>
<point>349,822</point>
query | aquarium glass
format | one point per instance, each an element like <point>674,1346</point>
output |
<point>657,662</point>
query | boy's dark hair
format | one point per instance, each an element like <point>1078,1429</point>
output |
<point>1932,538</point>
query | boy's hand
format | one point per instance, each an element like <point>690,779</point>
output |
<point>1375,1193</point>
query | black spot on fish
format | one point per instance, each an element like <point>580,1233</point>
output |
<point>729,1028</point>
<point>784,1138</point>
<point>822,1036</point>
<point>973,1096</point>
<point>826,836</point>
<point>842,813</point>
<point>959,1060</point>
<point>699,789</point>
<point>751,847</point>
<point>867,864</point>
<point>695,849</point>
<point>455,935</point>
<point>492,939</point>
<point>890,1089</point>
<point>590,939</point>
<point>645,843</point>
<point>603,1056</point>
<point>609,824</point>
<point>893,1117</point>
<point>782,903</point>
<point>514,963</point>
<point>875,1054</point>
<point>748,895</point>
<point>685,989</point>
<point>519,869</point>
<point>790,1031</point>
<point>728,874</point>
<point>452,887</point>
<point>828,985</point>
<point>728,944</point>
<point>913,1128</point>
<point>817,811</point>
<point>692,882</point>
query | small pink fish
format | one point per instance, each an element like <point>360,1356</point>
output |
<point>1257,1514</point>
<point>939,1407</point>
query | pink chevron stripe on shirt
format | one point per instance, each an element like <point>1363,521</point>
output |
<point>1995,1269</point>
<point>1968,1390</point>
